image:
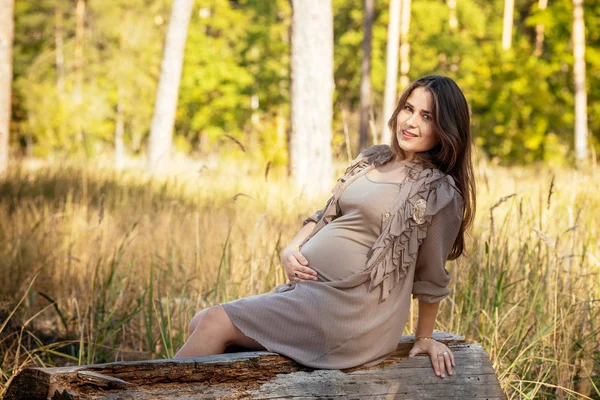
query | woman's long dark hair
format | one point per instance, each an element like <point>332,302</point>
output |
<point>452,153</point>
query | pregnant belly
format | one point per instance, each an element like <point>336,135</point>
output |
<point>335,255</point>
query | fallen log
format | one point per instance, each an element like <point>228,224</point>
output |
<point>265,375</point>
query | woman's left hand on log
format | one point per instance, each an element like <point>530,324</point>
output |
<point>442,359</point>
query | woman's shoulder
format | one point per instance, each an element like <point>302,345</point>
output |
<point>446,180</point>
<point>437,178</point>
<point>441,187</point>
<point>437,191</point>
<point>377,154</point>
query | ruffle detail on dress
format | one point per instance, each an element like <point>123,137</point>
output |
<point>371,157</point>
<point>398,248</point>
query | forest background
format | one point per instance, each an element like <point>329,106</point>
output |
<point>236,74</point>
<point>100,261</point>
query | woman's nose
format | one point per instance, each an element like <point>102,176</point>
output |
<point>412,119</point>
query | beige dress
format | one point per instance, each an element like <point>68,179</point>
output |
<point>337,322</point>
<point>340,248</point>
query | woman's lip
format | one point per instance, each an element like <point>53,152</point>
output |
<point>408,134</point>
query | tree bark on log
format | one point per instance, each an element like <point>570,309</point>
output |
<point>265,375</point>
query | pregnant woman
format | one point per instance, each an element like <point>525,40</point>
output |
<point>396,215</point>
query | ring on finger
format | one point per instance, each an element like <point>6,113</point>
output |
<point>445,353</point>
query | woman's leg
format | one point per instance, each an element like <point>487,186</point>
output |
<point>211,331</point>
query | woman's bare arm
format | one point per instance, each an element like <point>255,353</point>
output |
<point>301,235</point>
<point>442,359</point>
<point>426,321</point>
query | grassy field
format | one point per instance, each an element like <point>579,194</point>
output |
<point>99,266</point>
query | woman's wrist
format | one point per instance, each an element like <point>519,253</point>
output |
<point>424,337</point>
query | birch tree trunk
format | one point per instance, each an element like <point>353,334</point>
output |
<point>391,69</point>
<point>6,45</point>
<point>78,91</point>
<point>161,134</point>
<point>311,94</point>
<point>59,48</point>
<point>79,28</point>
<point>452,20</point>
<point>404,44</point>
<point>119,132</point>
<point>453,23</point>
<point>365,78</point>
<point>539,31</point>
<point>509,8</point>
<point>581,129</point>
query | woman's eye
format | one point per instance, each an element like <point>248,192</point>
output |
<point>407,108</point>
<point>427,116</point>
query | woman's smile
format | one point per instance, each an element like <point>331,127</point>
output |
<point>408,135</point>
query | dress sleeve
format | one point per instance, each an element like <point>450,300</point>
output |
<point>316,216</point>
<point>431,277</point>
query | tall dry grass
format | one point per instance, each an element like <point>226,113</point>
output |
<point>98,266</point>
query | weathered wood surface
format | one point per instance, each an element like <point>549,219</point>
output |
<point>265,375</point>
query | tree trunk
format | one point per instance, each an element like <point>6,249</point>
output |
<point>6,45</point>
<point>288,138</point>
<point>161,134</point>
<point>391,69</point>
<point>404,44</point>
<point>265,375</point>
<point>311,94</point>
<point>78,92</point>
<point>509,7</point>
<point>452,20</point>
<point>59,49</point>
<point>453,23</point>
<point>119,131</point>
<point>79,28</point>
<point>365,79</point>
<point>581,130</point>
<point>252,138</point>
<point>539,31</point>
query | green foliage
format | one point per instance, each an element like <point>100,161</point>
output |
<point>215,88</point>
<point>233,54</point>
<point>236,74</point>
<point>73,109</point>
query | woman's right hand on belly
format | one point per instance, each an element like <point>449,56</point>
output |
<point>295,266</point>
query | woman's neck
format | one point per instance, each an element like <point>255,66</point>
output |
<point>409,159</point>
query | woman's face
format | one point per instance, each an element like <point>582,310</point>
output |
<point>414,124</point>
